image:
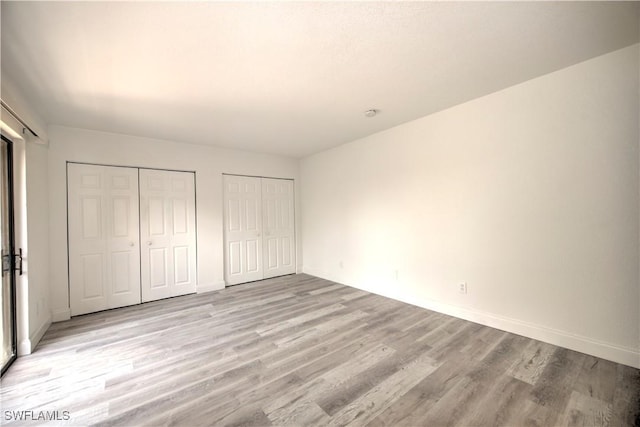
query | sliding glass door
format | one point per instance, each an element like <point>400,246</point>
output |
<point>7,296</point>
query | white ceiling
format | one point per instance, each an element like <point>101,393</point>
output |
<point>289,78</point>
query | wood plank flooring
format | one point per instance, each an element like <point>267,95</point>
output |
<point>299,350</point>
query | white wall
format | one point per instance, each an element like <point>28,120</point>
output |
<point>209,163</point>
<point>36,262</point>
<point>530,195</point>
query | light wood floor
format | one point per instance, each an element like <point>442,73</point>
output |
<point>304,351</point>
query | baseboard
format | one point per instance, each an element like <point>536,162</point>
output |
<point>604,350</point>
<point>615,353</point>
<point>201,289</point>
<point>317,273</point>
<point>24,347</point>
<point>61,315</point>
<point>37,335</point>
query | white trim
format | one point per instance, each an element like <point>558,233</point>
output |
<point>61,315</point>
<point>21,241</point>
<point>24,347</point>
<point>201,289</point>
<point>619,354</point>
<point>10,130</point>
<point>314,272</point>
<point>37,335</point>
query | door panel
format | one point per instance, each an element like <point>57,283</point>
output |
<point>181,265</point>
<point>168,233</point>
<point>91,217</point>
<point>156,217</point>
<point>104,257</point>
<point>242,227</point>
<point>234,258</point>
<point>120,215</point>
<point>287,250</point>
<point>180,224</point>
<point>121,271</point>
<point>93,277</point>
<point>158,268</point>
<point>279,229</point>
<point>252,251</point>
<point>272,253</point>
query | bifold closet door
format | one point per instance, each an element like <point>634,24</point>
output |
<point>242,229</point>
<point>278,239</point>
<point>259,230</point>
<point>104,253</point>
<point>167,233</point>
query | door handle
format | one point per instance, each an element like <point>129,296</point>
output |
<point>131,244</point>
<point>149,243</point>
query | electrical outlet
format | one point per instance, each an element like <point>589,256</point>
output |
<point>341,264</point>
<point>463,287</point>
<point>396,274</point>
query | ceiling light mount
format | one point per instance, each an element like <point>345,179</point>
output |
<point>370,113</point>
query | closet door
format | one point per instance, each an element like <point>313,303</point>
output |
<point>278,240</point>
<point>167,233</point>
<point>104,254</point>
<point>242,229</point>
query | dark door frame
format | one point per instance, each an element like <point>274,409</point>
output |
<point>11,258</point>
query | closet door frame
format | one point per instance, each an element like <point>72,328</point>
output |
<point>8,260</point>
<point>138,168</point>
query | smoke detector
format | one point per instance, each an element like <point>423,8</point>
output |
<point>370,113</point>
